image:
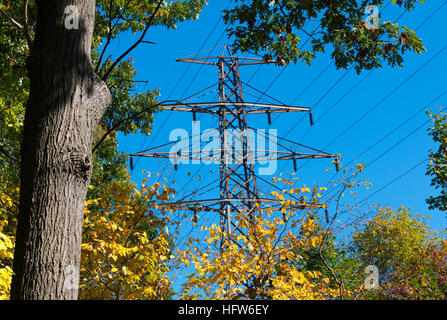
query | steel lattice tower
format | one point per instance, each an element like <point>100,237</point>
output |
<point>238,182</point>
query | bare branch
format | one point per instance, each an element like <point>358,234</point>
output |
<point>140,40</point>
<point>111,28</point>
<point>331,270</point>
<point>18,26</point>
<point>10,19</point>
<point>8,154</point>
<point>25,24</point>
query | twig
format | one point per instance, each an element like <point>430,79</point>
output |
<point>111,28</point>
<point>14,23</point>
<point>140,40</point>
<point>360,291</point>
<point>18,26</point>
<point>25,25</point>
<point>109,36</point>
<point>339,283</point>
<point>8,154</point>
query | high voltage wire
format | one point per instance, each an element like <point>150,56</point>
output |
<point>333,87</point>
<point>278,75</point>
<point>349,91</point>
<point>381,155</point>
<point>381,101</point>
<point>423,125</point>
<point>386,97</point>
<point>416,29</point>
<point>275,79</point>
<point>309,85</point>
<point>393,181</point>
<point>342,97</point>
<point>358,203</point>
<point>311,82</point>
<point>398,127</point>
<point>329,90</point>
<point>432,14</point>
<point>321,99</point>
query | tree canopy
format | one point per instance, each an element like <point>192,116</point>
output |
<point>277,28</point>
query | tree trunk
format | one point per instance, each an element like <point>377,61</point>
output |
<point>66,102</point>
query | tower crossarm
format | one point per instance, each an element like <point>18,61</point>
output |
<point>213,205</point>
<point>205,155</point>
<point>214,61</point>
<point>251,107</point>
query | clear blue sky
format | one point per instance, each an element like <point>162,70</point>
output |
<point>156,63</point>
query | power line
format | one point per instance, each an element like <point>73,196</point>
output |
<point>416,29</point>
<point>278,75</point>
<point>423,125</point>
<point>381,101</point>
<point>321,99</point>
<point>364,217</point>
<point>393,181</point>
<point>312,82</point>
<point>338,101</point>
<point>398,127</point>
<point>385,97</point>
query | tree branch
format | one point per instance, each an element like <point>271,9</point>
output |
<point>111,28</point>
<point>140,40</point>
<point>8,154</point>
<point>109,35</point>
<point>320,251</point>
<point>10,19</point>
<point>18,25</point>
<point>25,25</point>
<point>114,127</point>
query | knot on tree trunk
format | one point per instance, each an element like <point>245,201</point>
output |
<point>78,163</point>
<point>81,162</point>
<point>81,165</point>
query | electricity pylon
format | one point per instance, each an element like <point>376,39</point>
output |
<point>235,154</point>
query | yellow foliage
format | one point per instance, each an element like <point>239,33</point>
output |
<point>256,263</point>
<point>6,245</point>
<point>125,247</point>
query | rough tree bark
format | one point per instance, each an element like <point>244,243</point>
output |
<point>65,105</point>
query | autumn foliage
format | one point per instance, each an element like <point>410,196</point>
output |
<point>255,263</point>
<point>126,244</point>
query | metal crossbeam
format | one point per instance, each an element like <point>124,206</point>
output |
<point>204,155</point>
<point>214,107</point>
<point>208,205</point>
